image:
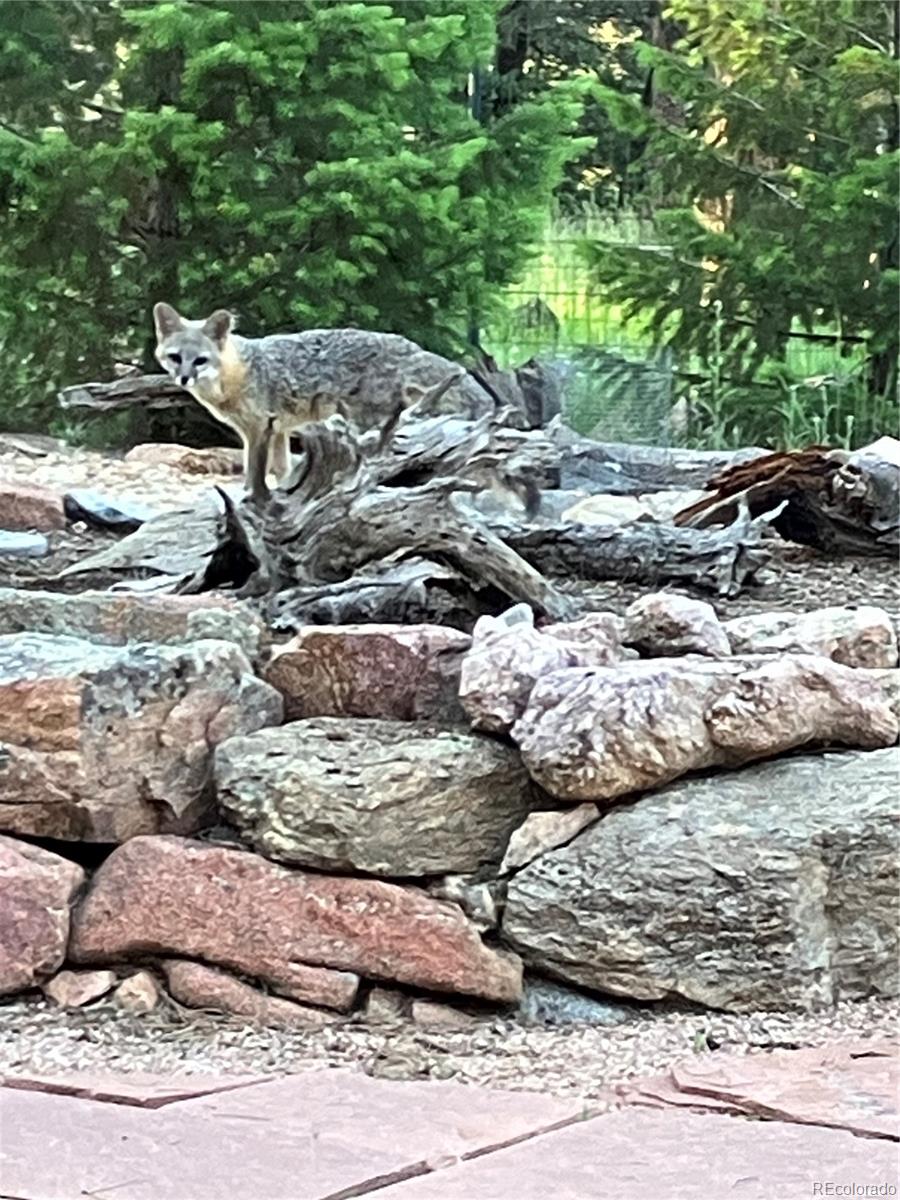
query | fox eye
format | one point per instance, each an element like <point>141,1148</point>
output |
<point>201,361</point>
<point>176,358</point>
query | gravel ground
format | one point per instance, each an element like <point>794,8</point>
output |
<point>161,487</point>
<point>796,578</point>
<point>573,1061</point>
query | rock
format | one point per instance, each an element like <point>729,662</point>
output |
<point>30,508</point>
<point>385,797</point>
<point>198,986</point>
<point>385,1006</point>
<point>507,657</point>
<point>23,545</point>
<point>665,505</point>
<point>214,460</point>
<point>773,887</point>
<point>101,512</point>
<point>478,898</point>
<point>543,831</point>
<point>37,889</point>
<point>431,1014</point>
<point>598,734</point>
<point>856,637</point>
<point>100,743</point>
<point>72,989</point>
<point>167,895</point>
<point>546,1003</point>
<point>664,623</point>
<point>889,682</point>
<point>119,619</point>
<point>604,509</point>
<point>399,672</point>
<point>595,638</point>
<point>554,502</point>
<point>139,993</point>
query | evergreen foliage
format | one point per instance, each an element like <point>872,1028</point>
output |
<point>303,162</point>
<point>777,155</point>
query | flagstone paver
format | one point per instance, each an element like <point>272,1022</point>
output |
<point>848,1085</point>
<point>640,1154</point>
<point>139,1088</point>
<point>781,1126</point>
<point>304,1137</point>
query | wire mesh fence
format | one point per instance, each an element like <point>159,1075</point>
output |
<point>615,384</point>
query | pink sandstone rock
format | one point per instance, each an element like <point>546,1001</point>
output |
<point>431,1014</point>
<point>404,672</point>
<point>36,891</point>
<point>601,733</point>
<point>507,657</point>
<point>198,986</point>
<point>166,895</point>
<point>72,989</point>
<point>856,637</point>
<point>139,993</point>
<point>105,742</point>
<point>596,638</point>
<point>25,506</point>
<point>665,623</point>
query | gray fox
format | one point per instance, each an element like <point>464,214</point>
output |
<point>264,388</point>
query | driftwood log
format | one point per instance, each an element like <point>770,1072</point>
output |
<point>720,561</point>
<point>839,501</point>
<point>368,528</point>
<point>150,391</point>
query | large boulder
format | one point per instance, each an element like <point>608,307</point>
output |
<point>402,672</point>
<point>598,734</point>
<point>509,655</point>
<point>385,797</point>
<point>857,637</point>
<point>37,889</point>
<point>100,743</point>
<point>117,619</point>
<point>772,887</point>
<point>174,897</point>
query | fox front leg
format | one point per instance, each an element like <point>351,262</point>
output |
<point>280,456</point>
<point>256,459</point>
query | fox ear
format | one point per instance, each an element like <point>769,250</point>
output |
<point>166,319</point>
<point>218,326</point>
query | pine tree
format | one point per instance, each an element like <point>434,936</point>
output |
<point>303,162</point>
<point>782,148</point>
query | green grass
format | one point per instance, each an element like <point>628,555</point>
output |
<point>626,387</point>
